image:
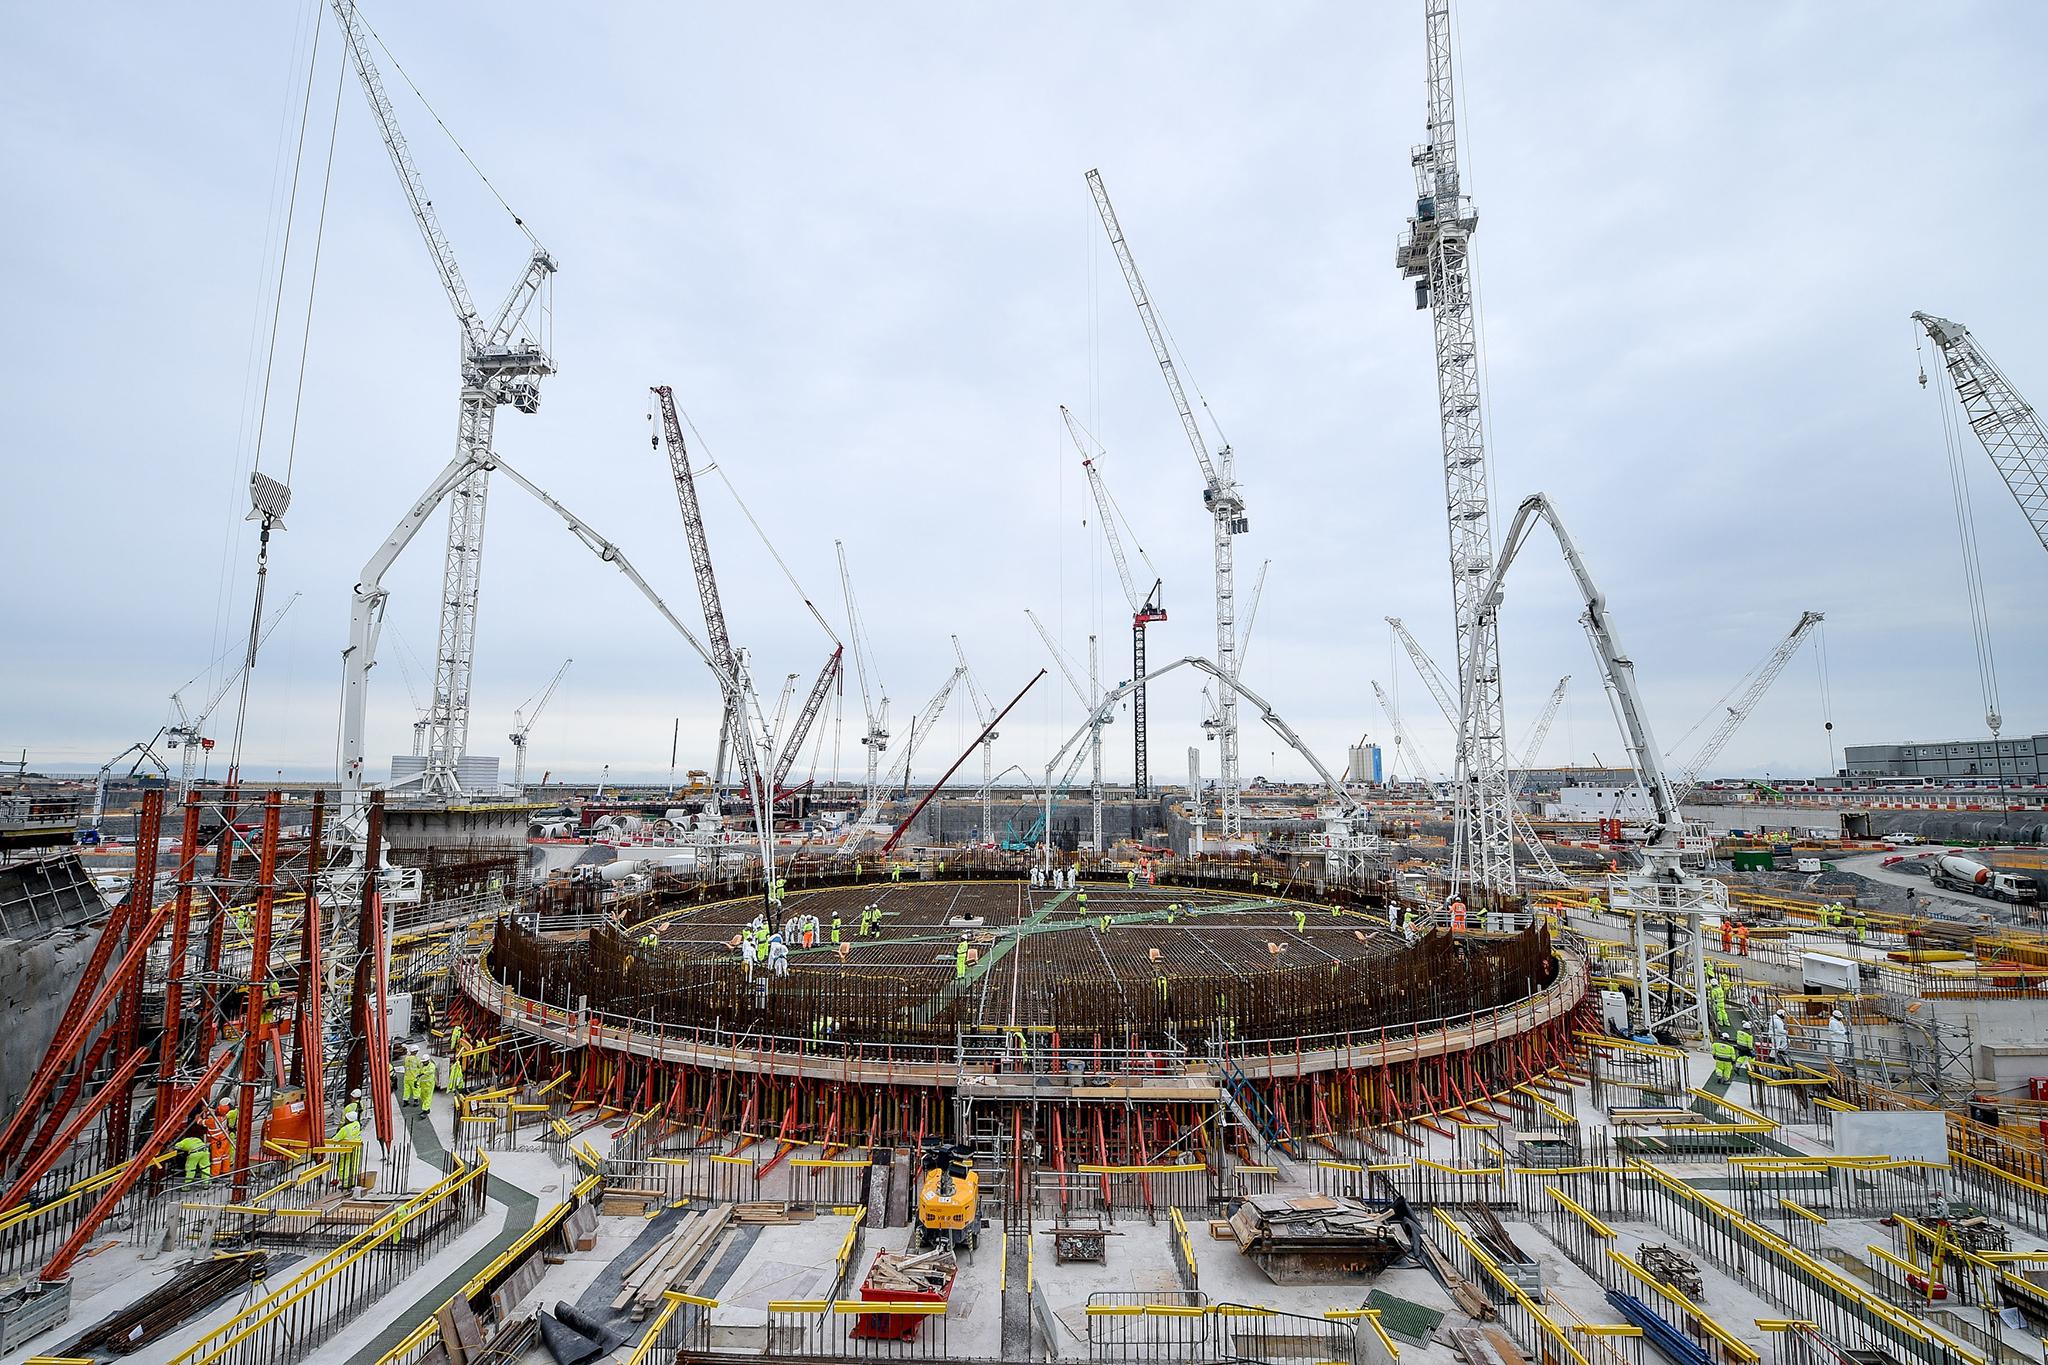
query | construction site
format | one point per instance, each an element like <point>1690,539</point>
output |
<point>1013,1056</point>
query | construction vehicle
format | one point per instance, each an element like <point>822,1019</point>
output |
<point>1954,873</point>
<point>949,1197</point>
<point>1029,840</point>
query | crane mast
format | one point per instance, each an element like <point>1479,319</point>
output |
<point>495,370</point>
<point>1532,742</point>
<point>876,739</point>
<point>1090,697</point>
<point>1767,673</point>
<point>523,721</point>
<point>1437,254</point>
<point>808,716</point>
<point>1145,609</point>
<point>2005,423</point>
<point>989,736</point>
<point>1226,510</point>
<point>700,565</point>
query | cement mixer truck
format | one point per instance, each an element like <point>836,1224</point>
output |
<point>1955,873</point>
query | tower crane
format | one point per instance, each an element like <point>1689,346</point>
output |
<point>1225,503</point>
<point>1098,718</point>
<point>1145,608</point>
<point>921,726</point>
<point>523,720</point>
<point>187,733</point>
<point>2006,424</point>
<point>1766,673</point>
<point>2010,432</point>
<point>1532,743</point>
<point>1665,898</point>
<point>499,366</point>
<point>876,739</point>
<point>1437,255</point>
<point>985,714</point>
<point>1440,690</point>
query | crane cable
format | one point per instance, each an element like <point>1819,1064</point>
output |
<point>1966,540</point>
<point>714,468</point>
<point>453,141</point>
<point>1827,703</point>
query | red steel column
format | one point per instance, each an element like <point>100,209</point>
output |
<point>254,1002</point>
<point>181,928</point>
<point>310,1059</point>
<point>128,1016</point>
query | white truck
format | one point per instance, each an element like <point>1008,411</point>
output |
<point>1955,873</point>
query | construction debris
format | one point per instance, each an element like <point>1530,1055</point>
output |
<point>1670,1266</point>
<point>1310,1238</point>
<point>926,1273</point>
<point>672,1260</point>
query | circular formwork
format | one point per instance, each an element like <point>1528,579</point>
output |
<point>1320,1017</point>
<point>1125,965</point>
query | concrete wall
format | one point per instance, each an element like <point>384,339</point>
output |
<point>957,819</point>
<point>36,981</point>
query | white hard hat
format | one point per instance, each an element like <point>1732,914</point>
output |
<point>356,1093</point>
<point>1838,1014</point>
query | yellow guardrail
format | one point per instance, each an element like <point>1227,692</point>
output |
<point>527,1240</point>
<point>1513,1290</point>
<point>1592,1220</point>
<point>217,1344</point>
<point>1733,1346</point>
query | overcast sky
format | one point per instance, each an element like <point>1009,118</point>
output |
<point>857,241</point>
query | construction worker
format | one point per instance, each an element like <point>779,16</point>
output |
<point>1102,924</point>
<point>455,1062</point>
<point>896,873</point>
<point>960,959</point>
<point>778,956</point>
<point>353,1110</point>
<point>1300,921</point>
<point>835,928</point>
<point>1745,1045</point>
<point>1862,924</point>
<point>198,1165</point>
<point>1742,938</point>
<point>220,1138</point>
<point>423,1089</point>
<point>1172,911</point>
<point>1724,1059</point>
<point>1162,992</point>
<point>748,955</point>
<point>856,869</point>
<point>1781,1036</point>
<point>1838,1035</point>
<point>348,1162</point>
<point>1727,935</point>
<point>1081,900</point>
<point>1718,998</point>
<point>1131,879</point>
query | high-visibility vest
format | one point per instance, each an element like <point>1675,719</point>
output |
<point>1457,917</point>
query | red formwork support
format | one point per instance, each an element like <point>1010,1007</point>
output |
<point>168,1123</point>
<point>128,1016</point>
<point>47,1151</point>
<point>181,932</point>
<point>256,1000</point>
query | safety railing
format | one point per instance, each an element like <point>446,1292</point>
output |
<point>1715,1340</point>
<point>1533,1329</point>
<point>294,1319</point>
<point>857,1329</point>
<point>31,1234</point>
<point>1145,1190</point>
<point>682,1323</point>
<point>1807,1288</point>
<point>1182,1249</point>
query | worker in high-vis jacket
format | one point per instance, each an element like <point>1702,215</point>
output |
<point>348,1162</point>
<point>1724,1059</point>
<point>960,959</point>
<point>198,1160</point>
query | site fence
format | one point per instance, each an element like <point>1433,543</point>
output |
<point>856,1329</point>
<point>1163,1327</point>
